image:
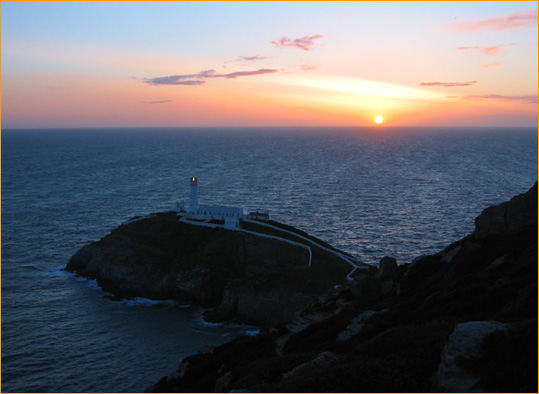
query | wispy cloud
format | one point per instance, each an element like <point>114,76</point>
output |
<point>186,79</point>
<point>490,65</point>
<point>251,58</point>
<point>306,43</point>
<point>497,97</point>
<point>199,79</point>
<point>247,73</point>
<point>448,84</point>
<point>156,102</point>
<point>525,19</point>
<point>487,50</point>
<point>173,80</point>
<point>307,67</point>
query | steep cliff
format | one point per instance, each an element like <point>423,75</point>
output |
<point>255,277</point>
<point>464,319</point>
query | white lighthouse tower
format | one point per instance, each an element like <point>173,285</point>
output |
<point>193,199</point>
<point>229,216</point>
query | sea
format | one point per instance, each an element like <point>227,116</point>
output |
<point>371,192</point>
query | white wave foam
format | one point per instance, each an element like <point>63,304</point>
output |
<point>91,283</point>
<point>230,328</point>
<point>252,333</point>
<point>139,301</point>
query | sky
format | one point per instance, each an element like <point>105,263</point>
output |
<point>310,63</point>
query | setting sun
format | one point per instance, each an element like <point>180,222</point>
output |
<point>379,120</point>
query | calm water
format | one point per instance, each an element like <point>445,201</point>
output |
<point>398,192</point>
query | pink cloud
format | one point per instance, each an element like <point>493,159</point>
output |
<point>308,67</point>
<point>306,43</point>
<point>490,65</point>
<point>448,84</point>
<point>525,19</point>
<point>156,102</point>
<point>487,50</point>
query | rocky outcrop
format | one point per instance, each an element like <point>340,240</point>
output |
<point>464,343</point>
<point>255,278</point>
<point>387,332</point>
<point>388,269</point>
<point>322,361</point>
<point>356,325</point>
<point>508,217</point>
<point>270,299</point>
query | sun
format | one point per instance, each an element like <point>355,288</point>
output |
<point>379,120</point>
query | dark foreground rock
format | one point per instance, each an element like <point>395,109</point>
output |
<point>464,319</point>
<point>251,277</point>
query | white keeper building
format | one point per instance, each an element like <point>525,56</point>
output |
<point>231,216</point>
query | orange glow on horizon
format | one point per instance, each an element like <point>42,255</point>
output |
<point>59,102</point>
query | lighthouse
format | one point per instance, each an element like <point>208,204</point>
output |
<point>230,217</point>
<point>193,199</point>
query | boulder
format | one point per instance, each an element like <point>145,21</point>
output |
<point>323,360</point>
<point>449,253</point>
<point>424,267</point>
<point>223,384</point>
<point>366,288</point>
<point>496,263</point>
<point>306,319</point>
<point>464,343</point>
<point>355,326</point>
<point>388,269</point>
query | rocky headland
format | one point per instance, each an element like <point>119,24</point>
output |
<point>261,274</point>
<point>461,320</point>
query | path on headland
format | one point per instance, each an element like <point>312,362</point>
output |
<point>347,259</point>
<point>342,256</point>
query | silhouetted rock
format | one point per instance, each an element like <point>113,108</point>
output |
<point>321,361</point>
<point>508,217</point>
<point>424,267</point>
<point>355,326</point>
<point>388,269</point>
<point>222,385</point>
<point>254,278</point>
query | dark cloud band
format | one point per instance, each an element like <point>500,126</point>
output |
<point>197,79</point>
